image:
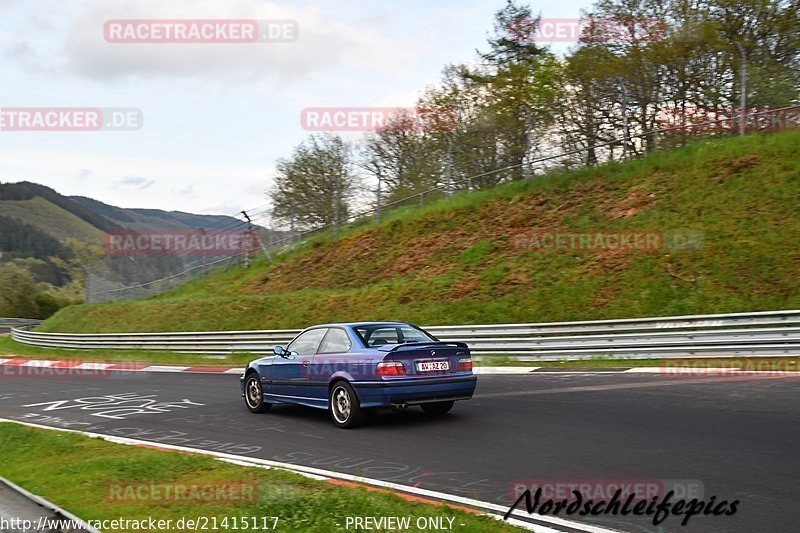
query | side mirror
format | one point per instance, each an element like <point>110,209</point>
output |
<point>279,350</point>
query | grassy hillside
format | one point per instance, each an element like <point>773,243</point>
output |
<point>51,219</point>
<point>455,261</point>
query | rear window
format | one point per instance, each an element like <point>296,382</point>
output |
<point>382,334</point>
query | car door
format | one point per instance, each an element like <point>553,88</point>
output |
<point>290,371</point>
<point>332,356</point>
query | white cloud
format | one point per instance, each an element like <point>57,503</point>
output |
<point>187,191</point>
<point>324,44</point>
<point>84,174</point>
<point>135,182</point>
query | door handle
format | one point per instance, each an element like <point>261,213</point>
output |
<point>306,363</point>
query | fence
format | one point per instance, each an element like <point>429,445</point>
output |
<point>770,333</point>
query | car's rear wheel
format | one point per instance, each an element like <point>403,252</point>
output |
<point>344,406</point>
<point>254,394</point>
<point>437,408</point>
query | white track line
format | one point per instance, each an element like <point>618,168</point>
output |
<point>165,369</point>
<point>89,366</point>
<point>503,369</point>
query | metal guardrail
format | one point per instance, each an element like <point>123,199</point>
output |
<point>17,503</point>
<point>7,323</point>
<point>19,322</point>
<point>757,334</point>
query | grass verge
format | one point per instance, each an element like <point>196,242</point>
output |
<point>11,348</point>
<point>90,478</point>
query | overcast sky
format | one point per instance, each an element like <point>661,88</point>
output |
<point>215,116</point>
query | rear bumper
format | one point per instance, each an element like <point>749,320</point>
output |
<point>414,391</point>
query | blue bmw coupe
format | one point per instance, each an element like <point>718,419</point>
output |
<point>351,368</point>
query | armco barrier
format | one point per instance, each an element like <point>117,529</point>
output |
<point>7,323</point>
<point>769,333</point>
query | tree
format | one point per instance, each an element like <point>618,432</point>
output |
<point>403,157</point>
<point>768,32</point>
<point>585,113</point>
<point>17,292</point>
<point>313,187</point>
<point>516,86</point>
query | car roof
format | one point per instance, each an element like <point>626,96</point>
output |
<point>356,324</point>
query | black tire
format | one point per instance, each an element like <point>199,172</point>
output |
<point>344,407</point>
<point>254,394</point>
<point>437,408</point>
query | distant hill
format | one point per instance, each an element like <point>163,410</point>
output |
<point>36,221</point>
<point>151,219</point>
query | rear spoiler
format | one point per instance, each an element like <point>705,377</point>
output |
<point>422,345</point>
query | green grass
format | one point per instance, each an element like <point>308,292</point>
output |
<point>9,347</point>
<point>453,261</point>
<point>76,472</point>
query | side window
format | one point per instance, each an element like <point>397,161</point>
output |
<point>308,342</point>
<point>336,341</point>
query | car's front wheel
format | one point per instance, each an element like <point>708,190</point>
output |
<point>344,406</point>
<point>254,394</point>
<point>437,408</point>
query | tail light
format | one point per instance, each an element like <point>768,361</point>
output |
<point>465,363</point>
<point>390,368</point>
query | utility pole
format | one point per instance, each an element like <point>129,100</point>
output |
<point>743,95</point>
<point>203,253</point>
<point>448,179</point>
<point>526,167</point>
<point>337,200</point>
<point>247,240</point>
<point>626,139</point>
<point>291,221</point>
<point>87,285</point>
<point>378,208</point>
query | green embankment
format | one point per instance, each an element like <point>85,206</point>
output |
<point>455,262</point>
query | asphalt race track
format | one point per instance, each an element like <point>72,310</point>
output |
<point>737,439</point>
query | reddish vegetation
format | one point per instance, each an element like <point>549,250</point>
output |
<point>632,203</point>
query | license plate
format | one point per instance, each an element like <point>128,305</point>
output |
<point>432,366</point>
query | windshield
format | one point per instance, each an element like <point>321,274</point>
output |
<point>382,334</point>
